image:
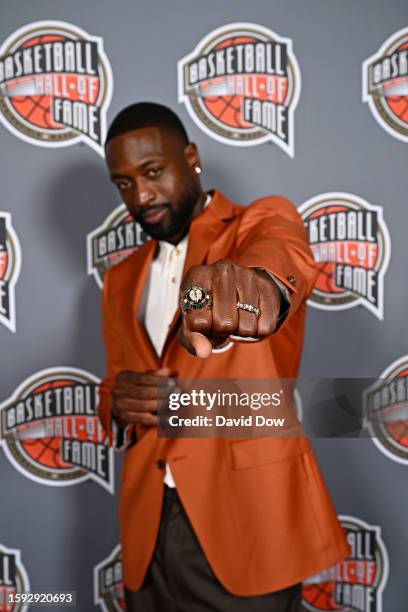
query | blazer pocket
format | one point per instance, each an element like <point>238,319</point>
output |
<point>263,451</point>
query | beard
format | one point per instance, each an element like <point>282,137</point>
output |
<point>179,216</point>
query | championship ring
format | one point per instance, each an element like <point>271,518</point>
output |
<point>196,297</point>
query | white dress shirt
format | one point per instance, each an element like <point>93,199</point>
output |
<point>162,291</point>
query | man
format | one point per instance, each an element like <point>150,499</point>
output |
<point>219,292</point>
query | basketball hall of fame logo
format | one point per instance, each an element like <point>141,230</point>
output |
<point>351,245</point>
<point>114,240</point>
<point>241,85</point>
<point>10,265</point>
<point>385,85</point>
<point>55,85</point>
<point>50,430</point>
<point>386,411</point>
<point>108,583</point>
<point>13,579</point>
<point>357,583</point>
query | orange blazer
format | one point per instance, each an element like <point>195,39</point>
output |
<point>258,506</point>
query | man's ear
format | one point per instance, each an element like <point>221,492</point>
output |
<point>192,156</point>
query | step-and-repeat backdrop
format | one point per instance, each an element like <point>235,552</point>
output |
<point>306,99</point>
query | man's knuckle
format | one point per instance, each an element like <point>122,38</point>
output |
<point>145,393</point>
<point>224,267</point>
<point>223,324</point>
<point>192,273</point>
<point>140,405</point>
<point>249,278</point>
<point>198,322</point>
<point>266,327</point>
<point>248,331</point>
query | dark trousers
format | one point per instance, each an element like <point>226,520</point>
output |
<point>179,578</point>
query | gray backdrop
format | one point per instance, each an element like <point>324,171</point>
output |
<point>57,196</point>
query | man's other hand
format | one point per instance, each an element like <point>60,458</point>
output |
<point>206,328</point>
<point>137,396</point>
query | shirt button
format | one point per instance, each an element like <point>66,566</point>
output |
<point>161,464</point>
<point>291,279</point>
<point>173,279</point>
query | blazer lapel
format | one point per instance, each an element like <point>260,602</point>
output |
<point>204,230</point>
<point>142,260</point>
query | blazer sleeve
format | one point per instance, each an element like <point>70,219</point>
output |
<point>272,236</point>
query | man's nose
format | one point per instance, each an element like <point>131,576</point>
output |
<point>144,192</point>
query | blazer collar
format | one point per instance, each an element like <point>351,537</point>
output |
<point>221,207</point>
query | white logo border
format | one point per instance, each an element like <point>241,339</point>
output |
<point>56,373</point>
<point>367,97</point>
<point>10,322</point>
<point>19,32</point>
<point>288,148</point>
<point>377,311</point>
<point>401,361</point>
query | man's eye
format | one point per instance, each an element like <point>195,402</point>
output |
<point>154,172</point>
<point>123,184</point>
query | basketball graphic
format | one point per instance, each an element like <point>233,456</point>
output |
<point>112,241</point>
<point>385,85</point>
<point>357,583</point>
<point>35,109</point>
<point>13,579</point>
<point>43,450</point>
<point>386,411</point>
<point>241,85</point>
<point>397,102</point>
<point>108,583</point>
<point>226,108</point>
<point>10,266</point>
<point>351,246</point>
<point>55,85</point>
<point>50,430</point>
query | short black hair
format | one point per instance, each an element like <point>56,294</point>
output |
<point>145,114</point>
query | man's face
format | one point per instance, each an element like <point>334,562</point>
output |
<point>154,171</point>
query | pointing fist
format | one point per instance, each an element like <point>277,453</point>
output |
<point>209,309</point>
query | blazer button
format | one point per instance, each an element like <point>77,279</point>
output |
<point>292,279</point>
<point>161,464</point>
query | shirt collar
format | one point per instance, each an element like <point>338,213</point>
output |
<point>167,249</point>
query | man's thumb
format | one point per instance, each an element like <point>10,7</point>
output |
<point>201,345</point>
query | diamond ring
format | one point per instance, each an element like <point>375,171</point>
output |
<point>249,308</point>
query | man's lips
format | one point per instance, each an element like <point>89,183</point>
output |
<point>155,215</point>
